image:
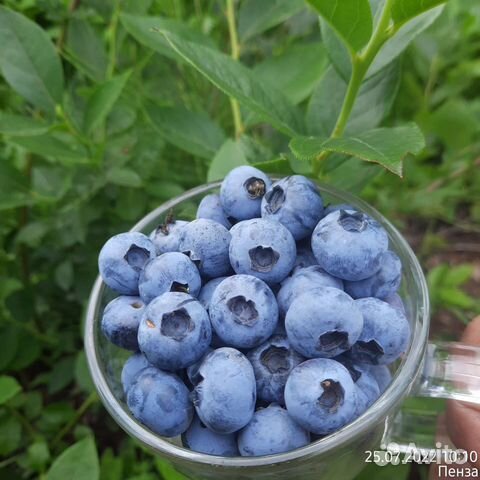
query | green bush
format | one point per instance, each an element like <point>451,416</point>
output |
<point>110,107</point>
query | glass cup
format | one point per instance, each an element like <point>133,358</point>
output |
<point>441,370</point>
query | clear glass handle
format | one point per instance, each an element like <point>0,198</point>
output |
<point>451,371</point>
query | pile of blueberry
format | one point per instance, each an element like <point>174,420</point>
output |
<point>267,322</point>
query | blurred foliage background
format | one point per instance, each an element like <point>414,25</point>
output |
<point>135,126</point>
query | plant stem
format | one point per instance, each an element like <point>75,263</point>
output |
<point>360,65</point>
<point>88,402</point>
<point>235,54</point>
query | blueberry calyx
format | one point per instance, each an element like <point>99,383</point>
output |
<point>244,310</point>
<point>180,287</point>
<point>332,396</point>
<point>275,359</point>
<point>263,259</point>
<point>369,351</point>
<point>275,199</point>
<point>136,305</point>
<point>176,324</point>
<point>330,341</point>
<point>136,257</point>
<point>193,257</point>
<point>255,187</point>
<point>352,222</point>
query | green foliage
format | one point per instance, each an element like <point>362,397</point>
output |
<point>109,108</point>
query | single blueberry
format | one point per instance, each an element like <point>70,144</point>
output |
<point>170,272</point>
<point>321,396</point>
<point>206,243</point>
<point>382,375</point>
<point>174,331</point>
<point>243,311</point>
<point>349,245</point>
<point>160,400</point>
<point>323,322</point>
<point>122,259</point>
<point>271,431</point>
<point>381,284</point>
<point>296,203</point>
<point>132,368</point>
<point>385,335</point>
<point>396,302</point>
<point>263,248</point>
<point>120,321</point>
<point>211,208</point>
<point>201,439</point>
<point>304,280</point>
<point>272,363</point>
<point>242,191</point>
<point>167,235</point>
<point>225,396</point>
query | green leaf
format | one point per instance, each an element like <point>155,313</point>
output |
<point>394,47</point>
<point>373,102</point>
<point>102,101</point>
<point>405,10</point>
<point>167,471</point>
<point>82,373</point>
<point>125,177</point>
<point>29,61</point>
<point>240,82</point>
<point>61,375</point>
<point>38,455</point>
<point>295,71</point>
<point>254,17</point>
<point>145,30</point>
<point>9,387</point>
<point>194,132</point>
<point>50,146</point>
<point>13,125</point>
<point>78,462</point>
<point>230,155</point>
<point>386,146</point>
<point>351,19</point>
<point>85,49</point>
<point>10,434</point>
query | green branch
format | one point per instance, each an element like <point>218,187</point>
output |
<point>235,53</point>
<point>360,65</point>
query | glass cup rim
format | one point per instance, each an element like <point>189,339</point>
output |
<point>395,392</point>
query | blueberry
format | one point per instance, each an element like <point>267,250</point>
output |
<point>161,402</point>
<point>175,331</point>
<point>272,363</point>
<point>120,321</point>
<point>382,375</point>
<point>321,396</point>
<point>349,245</point>
<point>243,311</point>
<point>323,322</point>
<point>385,335</point>
<point>305,257</point>
<point>131,369</point>
<point>225,396</point>
<point>396,302</point>
<point>192,370</point>
<point>296,203</point>
<point>170,272</point>
<point>271,431</point>
<point>167,235</point>
<point>205,295</point>
<point>336,207</point>
<point>206,243</point>
<point>367,390</point>
<point>200,439</point>
<point>211,208</point>
<point>381,284</point>
<point>121,260</point>
<point>242,191</point>
<point>304,280</point>
<point>263,248</point>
